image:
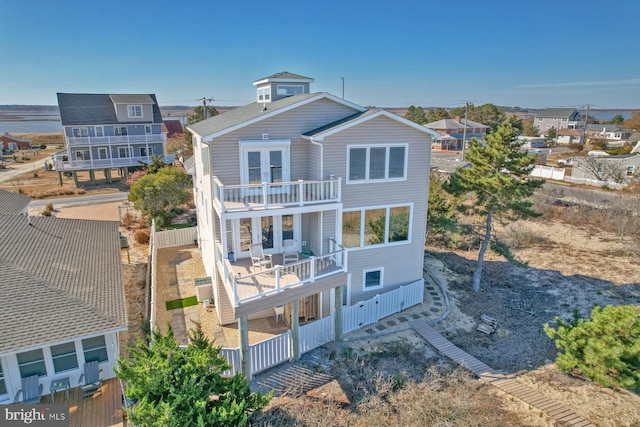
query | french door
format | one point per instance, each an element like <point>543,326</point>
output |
<point>265,163</point>
<point>268,230</point>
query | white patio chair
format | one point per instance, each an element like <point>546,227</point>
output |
<point>279,310</point>
<point>289,251</point>
<point>259,259</point>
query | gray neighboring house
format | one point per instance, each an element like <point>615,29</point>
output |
<point>105,131</point>
<point>558,118</point>
<point>608,131</point>
<point>619,168</point>
<point>64,299</point>
<point>13,203</point>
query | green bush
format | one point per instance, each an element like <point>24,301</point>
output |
<point>605,348</point>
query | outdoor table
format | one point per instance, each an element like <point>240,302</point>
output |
<point>59,385</point>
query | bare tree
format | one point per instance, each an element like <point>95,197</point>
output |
<point>604,169</point>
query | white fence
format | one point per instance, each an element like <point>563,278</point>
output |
<point>595,182</point>
<point>233,359</point>
<point>366,312</point>
<point>314,334</point>
<point>548,172</point>
<point>178,237</point>
<point>271,352</point>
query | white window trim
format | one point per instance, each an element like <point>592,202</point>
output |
<point>366,288</point>
<point>128,149</point>
<point>119,129</point>
<point>264,94</point>
<point>386,243</point>
<point>288,85</point>
<point>133,109</point>
<point>80,129</point>
<point>258,144</point>
<point>101,128</point>
<point>368,147</point>
<point>103,150</point>
<point>149,151</point>
<point>148,129</point>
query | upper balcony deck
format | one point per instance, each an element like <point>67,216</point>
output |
<point>117,140</point>
<point>248,197</point>
<point>59,164</point>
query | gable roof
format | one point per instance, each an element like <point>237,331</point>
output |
<point>255,112</point>
<point>172,127</point>
<point>8,137</point>
<point>605,128</point>
<point>556,112</point>
<point>444,124</point>
<point>322,132</point>
<point>69,270</point>
<point>13,203</point>
<point>98,109</point>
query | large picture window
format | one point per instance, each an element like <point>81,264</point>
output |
<point>64,357</point>
<point>376,163</point>
<point>376,226</point>
<point>95,349</point>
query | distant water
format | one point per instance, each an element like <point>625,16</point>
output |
<point>43,123</point>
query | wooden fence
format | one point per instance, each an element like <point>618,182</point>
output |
<point>178,237</point>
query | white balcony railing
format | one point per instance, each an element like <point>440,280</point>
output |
<point>126,139</point>
<point>230,198</point>
<point>116,162</point>
<point>248,287</point>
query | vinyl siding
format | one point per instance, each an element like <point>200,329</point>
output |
<point>313,242</point>
<point>402,262</point>
<point>328,229</point>
<point>288,125</point>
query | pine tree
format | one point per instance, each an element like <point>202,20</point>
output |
<point>605,348</point>
<point>498,180</point>
<point>184,387</point>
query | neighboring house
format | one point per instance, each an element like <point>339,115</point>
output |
<point>109,131</point>
<point>452,132</point>
<point>64,299</point>
<point>531,142</point>
<point>13,203</point>
<point>617,168</point>
<point>557,118</point>
<point>634,140</point>
<point>608,132</point>
<point>346,185</point>
<point>569,136</point>
<point>173,129</point>
<point>12,143</point>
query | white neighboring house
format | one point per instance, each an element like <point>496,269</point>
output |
<point>531,142</point>
<point>347,184</point>
<point>64,299</point>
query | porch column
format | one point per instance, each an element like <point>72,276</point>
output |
<point>75,179</point>
<point>92,176</point>
<point>245,354</point>
<point>60,179</point>
<point>339,328</point>
<point>295,328</point>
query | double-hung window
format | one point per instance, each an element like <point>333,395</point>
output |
<point>64,357</point>
<point>264,94</point>
<point>377,163</point>
<point>95,349</point>
<point>80,132</point>
<point>134,111</point>
<point>31,363</point>
<point>120,131</point>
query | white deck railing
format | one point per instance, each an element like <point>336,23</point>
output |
<point>115,162</point>
<point>274,280</point>
<point>230,198</point>
<point>107,140</point>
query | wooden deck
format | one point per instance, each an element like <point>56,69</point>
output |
<point>100,410</point>
<point>561,413</point>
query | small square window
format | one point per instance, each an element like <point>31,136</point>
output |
<point>373,278</point>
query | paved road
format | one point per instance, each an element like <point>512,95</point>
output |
<point>17,169</point>
<point>68,202</point>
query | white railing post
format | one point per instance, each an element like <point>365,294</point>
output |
<point>339,189</point>
<point>265,195</point>
<point>313,268</point>
<point>278,278</point>
<point>234,282</point>
<point>301,192</point>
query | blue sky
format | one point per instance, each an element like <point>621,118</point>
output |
<point>546,53</point>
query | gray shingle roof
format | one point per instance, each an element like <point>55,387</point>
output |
<point>444,124</point>
<point>556,112</point>
<point>98,109</point>
<point>12,203</point>
<point>61,278</point>
<point>285,75</point>
<point>246,113</point>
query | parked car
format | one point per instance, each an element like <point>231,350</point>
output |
<point>566,162</point>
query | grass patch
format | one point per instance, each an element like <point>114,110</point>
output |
<point>181,303</point>
<point>178,226</point>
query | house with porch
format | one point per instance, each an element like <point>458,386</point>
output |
<point>307,202</point>
<point>557,118</point>
<point>107,131</point>
<point>64,299</point>
<point>452,132</point>
<point>610,132</point>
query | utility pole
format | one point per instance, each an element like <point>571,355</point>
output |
<point>586,120</point>
<point>205,112</point>
<point>342,87</point>
<point>464,131</point>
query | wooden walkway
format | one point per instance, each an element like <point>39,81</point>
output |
<point>561,413</point>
